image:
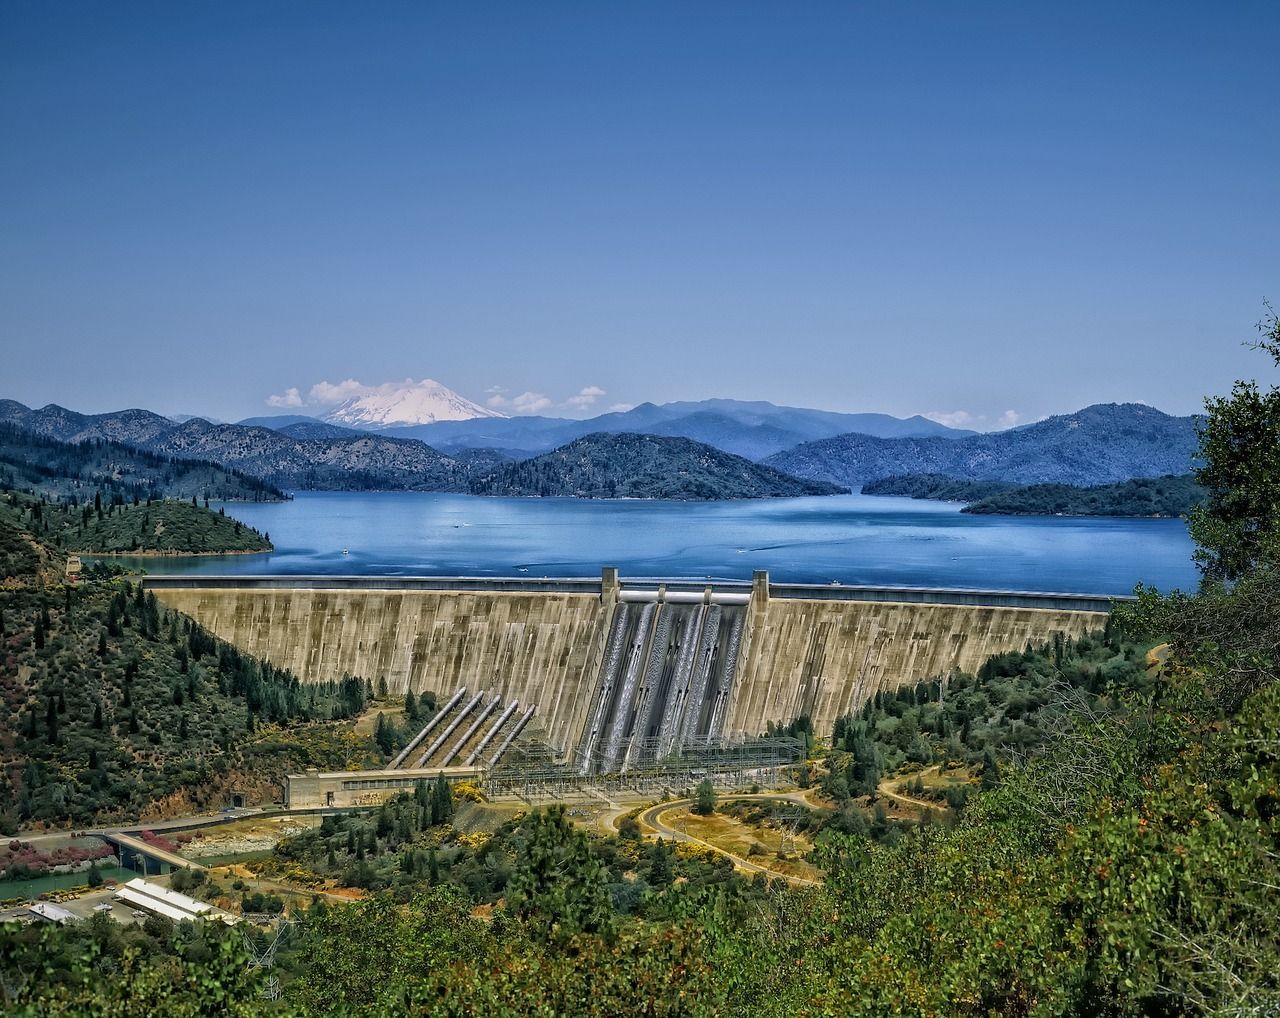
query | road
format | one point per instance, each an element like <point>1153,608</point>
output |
<point>154,851</point>
<point>652,817</point>
<point>889,789</point>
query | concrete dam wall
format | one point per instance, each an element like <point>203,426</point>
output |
<point>620,674</point>
<point>535,648</point>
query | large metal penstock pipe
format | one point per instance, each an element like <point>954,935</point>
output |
<point>475,727</point>
<point>435,720</point>
<point>488,736</point>
<point>453,726</point>
<point>511,737</point>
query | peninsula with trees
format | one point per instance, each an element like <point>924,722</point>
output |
<point>1168,496</point>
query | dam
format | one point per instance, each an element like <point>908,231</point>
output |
<point>615,674</point>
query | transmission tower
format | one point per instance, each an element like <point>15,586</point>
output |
<point>264,958</point>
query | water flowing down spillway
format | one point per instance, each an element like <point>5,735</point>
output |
<point>664,682</point>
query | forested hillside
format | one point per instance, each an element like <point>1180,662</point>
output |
<point>1173,495</point>
<point>643,466</point>
<point>161,526</point>
<point>114,707</point>
<point>33,462</point>
<point>1097,445</point>
<point>938,487</point>
<point>348,461</point>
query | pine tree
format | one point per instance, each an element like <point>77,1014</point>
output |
<point>39,634</point>
<point>441,801</point>
<point>704,802</point>
<point>51,721</point>
<point>559,885</point>
<point>990,771</point>
<point>97,716</point>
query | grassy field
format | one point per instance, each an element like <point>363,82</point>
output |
<point>758,843</point>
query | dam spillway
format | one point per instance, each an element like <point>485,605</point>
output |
<point>669,662</point>
<point>618,674</point>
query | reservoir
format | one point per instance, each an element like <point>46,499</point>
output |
<point>848,539</point>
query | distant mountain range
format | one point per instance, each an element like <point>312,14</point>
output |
<point>751,429</point>
<point>1097,445</point>
<point>351,460</point>
<point>46,466</point>
<point>644,466</point>
<point>1100,444</point>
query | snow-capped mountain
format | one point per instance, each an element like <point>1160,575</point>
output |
<point>397,405</point>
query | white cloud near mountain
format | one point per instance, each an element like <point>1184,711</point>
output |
<point>525,403</point>
<point>326,395</point>
<point>290,399</point>
<point>536,402</point>
<point>952,418</point>
<point>975,422</point>
<point>586,397</point>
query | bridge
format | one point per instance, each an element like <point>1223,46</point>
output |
<point>613,673</point>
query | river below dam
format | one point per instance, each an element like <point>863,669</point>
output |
<point>849,539</point>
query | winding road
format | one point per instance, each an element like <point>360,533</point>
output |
<point>652,818</point>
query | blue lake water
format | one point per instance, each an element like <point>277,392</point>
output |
<point>853,539</point>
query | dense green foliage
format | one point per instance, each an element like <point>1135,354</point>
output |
<point>534,861</point>
<point>21,555</point>
<point>1236,530</point>
<point>939,487</point>
<point>1146,496</point>
<point>39,464</point>
<point>1010,709</point>
<point>118,527</point>
<point>1174,495</point>
<point>165,526</point>
<point>99,967</point>
<point>112,706</point>
<point>644,466</point>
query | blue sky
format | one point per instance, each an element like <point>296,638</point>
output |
<point>964,209</point>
